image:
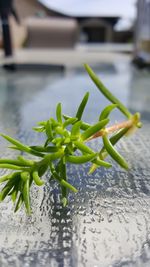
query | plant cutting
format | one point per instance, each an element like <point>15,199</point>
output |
<point>65,143</point>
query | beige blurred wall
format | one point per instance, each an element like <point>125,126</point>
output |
<point>29,11</point>
<point>28,8</point>
<point>25,9</point>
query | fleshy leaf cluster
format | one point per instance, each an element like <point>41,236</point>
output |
<point>65,142</point>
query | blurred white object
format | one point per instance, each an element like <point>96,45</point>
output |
<point>92,8</point>
<point>124,24</point>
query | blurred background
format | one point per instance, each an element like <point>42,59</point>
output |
<point>42,25</point>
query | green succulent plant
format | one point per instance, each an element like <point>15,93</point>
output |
<point>64,137</point>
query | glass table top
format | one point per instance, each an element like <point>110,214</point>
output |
<point>107,222</point>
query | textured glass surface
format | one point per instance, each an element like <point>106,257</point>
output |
<point>106,224</point>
